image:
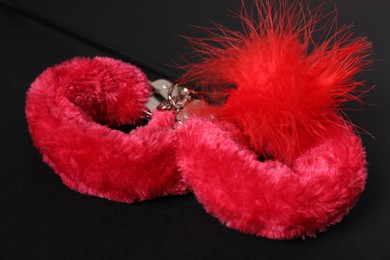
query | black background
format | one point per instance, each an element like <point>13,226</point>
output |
<point>42,218</point>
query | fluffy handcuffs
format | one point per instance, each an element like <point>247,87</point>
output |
<point>259,137</point>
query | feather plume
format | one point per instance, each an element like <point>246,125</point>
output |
<point>288,83</point>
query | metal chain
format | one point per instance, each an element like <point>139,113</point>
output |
<point>176,101</point>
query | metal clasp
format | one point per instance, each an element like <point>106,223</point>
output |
<point>168,96</point>
<point>178,98</point>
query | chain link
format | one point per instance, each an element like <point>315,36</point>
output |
<point>176,101</point>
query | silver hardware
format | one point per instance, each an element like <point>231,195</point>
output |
<point>178,98</point>
<point>160,93</point>
<point>169,97</point>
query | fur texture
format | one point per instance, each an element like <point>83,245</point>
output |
<point>270,198</point>
<point>70,109</point>
<point>290,71</point>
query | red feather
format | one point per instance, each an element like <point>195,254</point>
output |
<point>289,86</point>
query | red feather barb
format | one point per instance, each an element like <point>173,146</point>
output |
<point>289,84</point>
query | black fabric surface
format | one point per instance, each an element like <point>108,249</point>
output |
<point>40,218</point>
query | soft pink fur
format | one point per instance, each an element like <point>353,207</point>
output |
<point>270,198</point>
<point>69,108</point>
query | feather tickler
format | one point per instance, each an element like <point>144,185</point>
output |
<point>288,86</point>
